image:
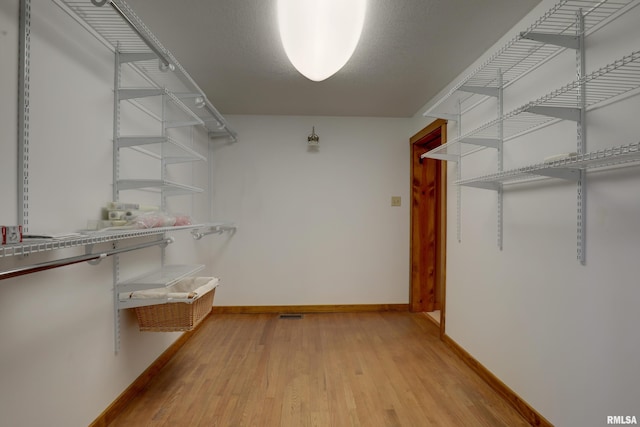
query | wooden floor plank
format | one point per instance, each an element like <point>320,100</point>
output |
<point>326,369</point>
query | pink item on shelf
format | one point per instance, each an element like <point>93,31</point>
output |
<point>183,220</point>
<point>154,219</point>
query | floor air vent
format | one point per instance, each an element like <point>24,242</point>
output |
<point>291,316</point>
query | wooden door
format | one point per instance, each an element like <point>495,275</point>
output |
<point>428,194</point>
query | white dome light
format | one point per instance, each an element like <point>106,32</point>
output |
<point>319,36</point>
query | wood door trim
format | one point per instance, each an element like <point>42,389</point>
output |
<point>442,223</point>
<point>439,123</point>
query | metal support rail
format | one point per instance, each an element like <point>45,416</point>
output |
<point>90,238</point>
<point>215,229</point>
<point>29,269</point>
<point>24,74</point>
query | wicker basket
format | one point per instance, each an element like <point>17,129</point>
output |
<point>174,316</point>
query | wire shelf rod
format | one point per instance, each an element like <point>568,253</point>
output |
<point>88,238</point>
<point>213,229</point>
<point>34,268</point>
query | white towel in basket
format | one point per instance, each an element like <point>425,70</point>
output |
<point>188,288</point>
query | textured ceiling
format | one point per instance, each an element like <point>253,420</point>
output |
<point>409,50</point>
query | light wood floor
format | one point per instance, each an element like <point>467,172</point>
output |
<point>338,369</point>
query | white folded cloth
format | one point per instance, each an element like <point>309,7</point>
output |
<point>187,288</point>
<point>560,156</point>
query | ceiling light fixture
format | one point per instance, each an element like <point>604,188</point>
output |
<point>319,36</point>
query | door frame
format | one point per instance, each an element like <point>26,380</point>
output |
<point>416,291</point>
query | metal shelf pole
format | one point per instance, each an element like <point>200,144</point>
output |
<point>23,114</point>
<point>581,140</point>
<point>117,76</point>
<point>459,177</point>
<point>500,157</point>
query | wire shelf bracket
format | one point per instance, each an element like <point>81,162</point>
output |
<point>556,30</point>
<point>116,25</point>
<point>563,27</point>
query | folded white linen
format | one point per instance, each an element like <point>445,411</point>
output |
<point>187,288</point>
<point>560,156</point>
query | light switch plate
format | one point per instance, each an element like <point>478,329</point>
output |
<point>396,201</point>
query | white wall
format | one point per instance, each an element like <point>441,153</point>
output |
<point>317,228</point>
<point>313,227</point>
<point>561,335</point>
<point>58,363</point>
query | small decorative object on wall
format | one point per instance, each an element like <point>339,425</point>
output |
<point>313,140</point>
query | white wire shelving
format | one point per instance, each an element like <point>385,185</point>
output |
<point>89,256</point>
<point>117,26</point>
<point>568,168</point>
<point>546,37</point>
<point>159,103</point>
<point>600,86</point>
<point>564,26</point>
<point>166,93</point>
<point>168,188</point>
<point>161,147</point>
<point>89,238</point>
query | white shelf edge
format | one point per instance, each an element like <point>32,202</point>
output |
<point>139,144</point>
<point>138,94</point>
<point>622,155</point>
<point>170,187</point>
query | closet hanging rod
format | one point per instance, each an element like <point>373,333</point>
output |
<point>133,26</point>
<point>34,268</point>
<point>217,229</point>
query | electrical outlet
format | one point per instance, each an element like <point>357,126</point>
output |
<point>396,201</point>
